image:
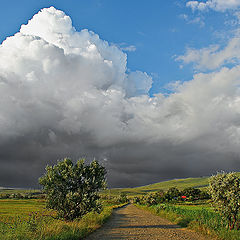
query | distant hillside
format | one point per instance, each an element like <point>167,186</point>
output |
<point>165,185</point>
<point>17,190</point>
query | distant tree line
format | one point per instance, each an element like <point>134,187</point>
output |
<point>172,195</point>
<point>118,199</point>
<point>223,194</point>
<point>34,195</point>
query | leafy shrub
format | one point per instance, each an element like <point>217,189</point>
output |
<point>71,189</point>
<point>191,193</point>
<point>172,194</point>
<point>151,198</point>
<point>137,200</point>
<point>225,192</point>
<point>204,195</point>
<point>122,198</point>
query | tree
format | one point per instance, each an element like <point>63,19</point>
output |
<point>72,189</point>
<point>225,193</point>
<point>137,200</point>
<point>150,199</point>
<point>172,193</point>
<point>154,198</point>
<point>122,198</point>
<point>204,195</point>
<point>192,193</point>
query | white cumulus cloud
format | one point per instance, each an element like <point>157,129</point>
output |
<point>213,57</point>
<point>217,5</point>
<point>66,93</point>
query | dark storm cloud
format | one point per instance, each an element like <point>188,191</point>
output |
<point>68,94</point>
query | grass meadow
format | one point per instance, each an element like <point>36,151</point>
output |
<point>197,216</point>
<point>29,219</point>
<point>12,207</point>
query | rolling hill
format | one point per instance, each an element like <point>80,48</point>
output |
<point>201,182</point>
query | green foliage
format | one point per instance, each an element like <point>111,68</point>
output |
<point>18,195</point>
<point>4,196</point>
<point>110,200</point>
<point>43,226</point>
<point>150,199</point>
<point>202,215</point>
<point>200,218</point>
<point>191,192</point>
<point>122,198</point>
<point>154,198</point>
<point>204,195</point>
<point>136,200</point>
<point>172,194</point>
<point>71,189</point>
<point>195,194</point>
<point>225,192</point>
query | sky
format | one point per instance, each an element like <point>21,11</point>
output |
<point>149,88</point>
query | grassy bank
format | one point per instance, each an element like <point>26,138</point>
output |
<point>28,219</point>
<point>199,218</point>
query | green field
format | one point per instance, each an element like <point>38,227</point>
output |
<point>29,219</point>
<point>199,217</point>
<point>12,207</point>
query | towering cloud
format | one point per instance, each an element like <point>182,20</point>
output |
<point>67,93</point>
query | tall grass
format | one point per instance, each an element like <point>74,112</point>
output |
<point>61,230</point>
<point>200,219</point>
<point>40,227</point>
<point>43,225</point>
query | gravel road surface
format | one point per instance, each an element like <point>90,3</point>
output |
<point>131,223</point>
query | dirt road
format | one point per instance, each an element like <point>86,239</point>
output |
<point>131,223</point>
